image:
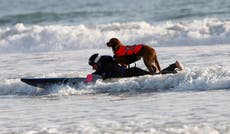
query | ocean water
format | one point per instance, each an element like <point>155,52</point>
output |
<point>54,38</point>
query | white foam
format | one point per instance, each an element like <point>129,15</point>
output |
<point>184,81</point>
<point>22,38</point>
<point>196,80</point>
<point>15,87</point>
<point>102,125</point>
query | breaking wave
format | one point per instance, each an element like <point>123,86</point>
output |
<point>38,38</point>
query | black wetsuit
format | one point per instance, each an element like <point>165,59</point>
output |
<point>109,68</point>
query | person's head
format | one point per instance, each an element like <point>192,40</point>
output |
<point>93,60</point>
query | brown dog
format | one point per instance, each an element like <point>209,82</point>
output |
<point>126,55</point>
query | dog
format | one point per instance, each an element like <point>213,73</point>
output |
<point>126,55</point>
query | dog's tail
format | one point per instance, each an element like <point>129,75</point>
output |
<point>157,64</point>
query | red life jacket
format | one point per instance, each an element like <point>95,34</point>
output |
<point>128,50</point>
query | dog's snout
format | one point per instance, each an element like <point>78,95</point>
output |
<point>108,44</point>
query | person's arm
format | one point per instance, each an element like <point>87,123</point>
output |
<point>113,69</point>
<point>101,73</point>
<point>107,68</point>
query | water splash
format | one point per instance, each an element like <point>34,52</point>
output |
<point>188,80</point>
<point>37,38</point>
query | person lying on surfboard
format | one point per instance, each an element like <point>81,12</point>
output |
<point>107,67</point>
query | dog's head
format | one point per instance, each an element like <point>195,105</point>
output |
<point>113,42</point>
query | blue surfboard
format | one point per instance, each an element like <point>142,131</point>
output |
<point>48,82</point>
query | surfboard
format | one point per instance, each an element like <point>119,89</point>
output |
<point>48,82</point>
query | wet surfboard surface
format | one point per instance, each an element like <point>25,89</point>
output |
<point>48,82</point>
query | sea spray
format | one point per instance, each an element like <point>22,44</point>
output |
<point>38,38</point>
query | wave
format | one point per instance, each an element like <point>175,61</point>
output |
<point>37,38</point>
<point>189,80</point>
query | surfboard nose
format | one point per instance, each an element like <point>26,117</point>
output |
<point>33,82</point>
<point>24,80</point>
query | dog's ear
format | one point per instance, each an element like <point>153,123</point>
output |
<point>113,42</point>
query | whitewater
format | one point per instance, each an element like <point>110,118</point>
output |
<point>55,39</point>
